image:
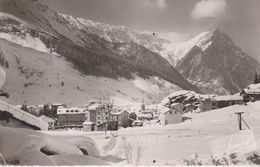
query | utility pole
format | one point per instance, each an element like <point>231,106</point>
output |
<point>240,119</point>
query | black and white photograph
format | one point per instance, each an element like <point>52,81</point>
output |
<point>129,82</point>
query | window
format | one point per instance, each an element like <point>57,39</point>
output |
<point>170,112</point>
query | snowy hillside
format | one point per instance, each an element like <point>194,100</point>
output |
<point>36,78</point>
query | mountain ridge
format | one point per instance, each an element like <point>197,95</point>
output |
<point>222,66</point>
<point>88,53</point>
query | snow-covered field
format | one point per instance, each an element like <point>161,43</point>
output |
<point>157,144</point>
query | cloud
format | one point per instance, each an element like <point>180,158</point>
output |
<point>160,4</point>
<point>174,36</point>
<point>209,9</point>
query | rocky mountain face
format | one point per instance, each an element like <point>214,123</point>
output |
<point>210,60</point>
<point>31,24</point>
<point>220,68</point>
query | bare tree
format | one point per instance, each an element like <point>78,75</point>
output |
<point>106,107</point>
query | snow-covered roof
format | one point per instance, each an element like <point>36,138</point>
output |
<point>19,106</point>
<point>176,104</point>
<point>178,94</point>
<point>229,98</point>
<point>222,98</point>
<point>149,111</point>
<point>73,110</point>
<point>88,123</point>
<point>145,115</point>
<point>93,107</point>
<point>253,89</point>
<point>57,104</point>
<point>23,116</point>
<point>118,112</point>
<point>47,119</point>
<point>209,96</point>
<point>40,105</point>
<point>31,106</point>
<point>164,110</point>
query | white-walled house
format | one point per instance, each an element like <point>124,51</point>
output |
<point>48,120</point>
<point>171,115</point>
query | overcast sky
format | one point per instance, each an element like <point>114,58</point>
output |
<point>175,19</point>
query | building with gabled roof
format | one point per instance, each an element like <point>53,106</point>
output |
<point>171,115</point>
<point>211,102</point>
<point>48,120</point>
<point>12,116</point>
<point>251,93</point>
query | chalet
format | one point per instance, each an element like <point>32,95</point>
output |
<point>213,102</point>
<point>95,113</point>
<point>147,113</point>
<point>144,116</point>
<point>12,116</point>
<point>71,117</point>
<point>48,120</point>
<point>251,93</point>
<point>122,118</point>
<point>171,115</point>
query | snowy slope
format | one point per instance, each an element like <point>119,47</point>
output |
<point>171,144</point>
<point>35,77</point>
<point>27,41</point>
<point>22,147</point>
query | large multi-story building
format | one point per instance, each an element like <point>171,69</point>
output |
<point>71,116</point>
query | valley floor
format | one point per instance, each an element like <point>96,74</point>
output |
<point>171,144</point>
